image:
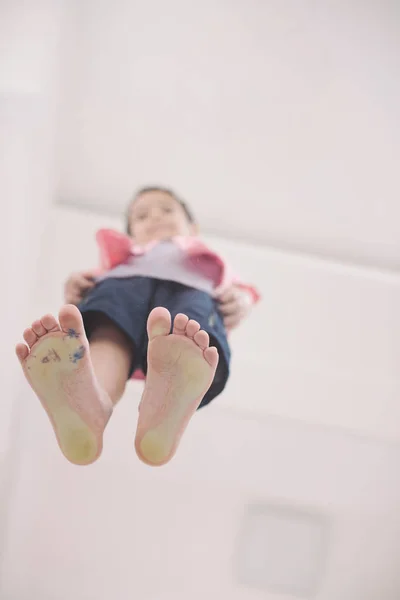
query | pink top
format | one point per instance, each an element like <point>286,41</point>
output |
<point>116,248</point>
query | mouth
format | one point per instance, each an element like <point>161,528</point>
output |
<point>158,227</point>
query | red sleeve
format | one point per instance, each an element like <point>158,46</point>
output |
<point>115,247</point>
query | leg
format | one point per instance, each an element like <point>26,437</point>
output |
<point>115,314</point>
<point>112,355</point>
<point>181,368</point>
<point>59,368</point>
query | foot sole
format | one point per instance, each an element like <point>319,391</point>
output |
<point>57,371</point>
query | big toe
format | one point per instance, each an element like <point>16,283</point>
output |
<point>71,320</point>
<point>159,322</point>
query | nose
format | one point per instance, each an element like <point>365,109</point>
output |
<point>156,214</point>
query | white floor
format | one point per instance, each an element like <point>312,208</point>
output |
<point>308,425</point>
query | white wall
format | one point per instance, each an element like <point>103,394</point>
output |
<point>28,95</point>
<point>285,112</point>
<point>309,421</point>
<point>29,36</point>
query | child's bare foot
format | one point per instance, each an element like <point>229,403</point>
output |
<point>57,365</point>
<point>181,368</point>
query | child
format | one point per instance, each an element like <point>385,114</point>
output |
<point>160,273</point>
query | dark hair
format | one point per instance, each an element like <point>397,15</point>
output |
<point>156,188</point>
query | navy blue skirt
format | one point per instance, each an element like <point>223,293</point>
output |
<point>127,302</point>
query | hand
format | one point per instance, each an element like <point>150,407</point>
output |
<point>234,305</point>
<point>77,286</point>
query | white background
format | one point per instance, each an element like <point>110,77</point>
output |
<point>278,122</point>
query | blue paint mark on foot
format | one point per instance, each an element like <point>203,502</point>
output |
<point>72,333</point>
<point>77,355</point>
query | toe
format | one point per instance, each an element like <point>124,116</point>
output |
<point>38,328</point>
<point>192,328</point>
<point>202,339</point>
<point>71,320</point>
<point>22,351</point>
<point>159,322</point>
<point>50,323</point>
<point>212,357</point>
<point>30,337</point>
<point>180,323</point>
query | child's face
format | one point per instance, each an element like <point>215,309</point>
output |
<point>158,216</point>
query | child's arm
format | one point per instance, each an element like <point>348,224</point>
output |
<point>77,285</point>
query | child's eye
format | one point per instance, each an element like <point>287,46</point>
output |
<point>167,209</point>
<point>141,217</point>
